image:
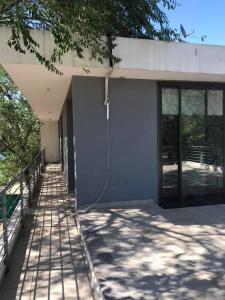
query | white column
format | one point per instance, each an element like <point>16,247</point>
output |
<point>50,140</point>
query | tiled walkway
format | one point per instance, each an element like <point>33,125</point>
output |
<point>47,262</point>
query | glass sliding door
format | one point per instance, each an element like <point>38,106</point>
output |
<point>169,146</point>
<point>192,147</point>
<point>193,135</point>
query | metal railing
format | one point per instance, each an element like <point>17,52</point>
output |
<point>15,197</point>
<point>204,155</point>
<point>199,154</point>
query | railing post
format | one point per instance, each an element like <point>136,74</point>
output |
<point>34,174</point>
<point>42,160</point>
<point>5,229</point>
<point>38,166</point>
<point>29,189</point>
<point>22,177</point>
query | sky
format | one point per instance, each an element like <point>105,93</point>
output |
<point>206,17</point>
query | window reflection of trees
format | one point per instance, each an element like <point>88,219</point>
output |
<point>201,139</point>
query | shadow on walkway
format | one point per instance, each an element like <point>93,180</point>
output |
<point>47,261</point>
<point>158,254</point>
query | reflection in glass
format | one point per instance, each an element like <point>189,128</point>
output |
<point>215,103</point>
<point>170,142</point>
<point>192,131</point>
<point>202,143</point>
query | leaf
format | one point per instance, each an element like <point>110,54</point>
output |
<point>82,24</point>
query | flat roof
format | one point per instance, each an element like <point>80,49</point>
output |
<point>140,59</point>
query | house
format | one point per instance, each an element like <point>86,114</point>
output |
<point>161,137</point>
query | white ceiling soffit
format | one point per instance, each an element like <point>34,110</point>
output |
<point>44,90</point>
<point>140,59</point>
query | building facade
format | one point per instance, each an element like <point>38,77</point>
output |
<point>164,138</point>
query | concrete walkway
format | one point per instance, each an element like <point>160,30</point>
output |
<point>47,262</point>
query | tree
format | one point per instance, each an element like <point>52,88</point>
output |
<point>80,24</point>
<point>19,129</point>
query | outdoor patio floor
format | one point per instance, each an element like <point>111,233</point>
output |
<point>47,262</point>
<point>152,253</point>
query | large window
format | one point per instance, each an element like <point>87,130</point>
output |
<point>192,146</point>
<point>170,145</point>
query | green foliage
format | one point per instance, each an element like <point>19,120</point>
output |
<point>19,129</point>
<point>83,24</point>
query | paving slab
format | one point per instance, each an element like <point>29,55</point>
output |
<point>153,253</point>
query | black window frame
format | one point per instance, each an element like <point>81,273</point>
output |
<point>180,85</point>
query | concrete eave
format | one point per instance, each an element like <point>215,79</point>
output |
<point>140,59</point>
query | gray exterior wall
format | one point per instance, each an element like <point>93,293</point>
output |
<point>133,139</point>
<point>67,145</point>
<point>71,175</point>
<point>61,141</point>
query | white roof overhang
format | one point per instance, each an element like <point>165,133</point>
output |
<point>140,59</point>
